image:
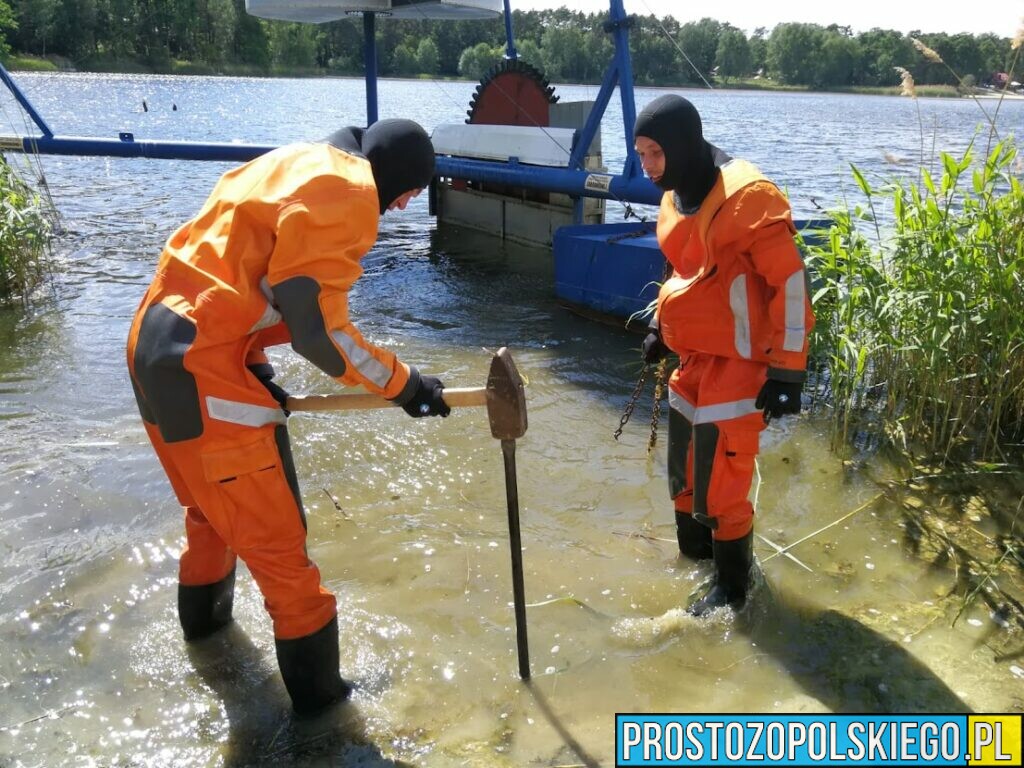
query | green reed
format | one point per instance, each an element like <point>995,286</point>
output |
<point>26,229</point>
<point>920,333</point>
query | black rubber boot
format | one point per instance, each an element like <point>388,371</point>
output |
<point>309,666</point>
<point>694,538</point>
<point>204,609</point>
<point>732,576</point>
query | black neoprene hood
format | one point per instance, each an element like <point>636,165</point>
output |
<point>401,156</point>
<point>675,124</point>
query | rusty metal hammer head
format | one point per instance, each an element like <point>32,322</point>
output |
<point>506,398</point>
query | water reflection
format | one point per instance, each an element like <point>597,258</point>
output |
<point>256,708</point>
<point>93,665</point>
<point>842,663</point>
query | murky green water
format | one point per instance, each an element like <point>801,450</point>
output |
<point>407,518</point>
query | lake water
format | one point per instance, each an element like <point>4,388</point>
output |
<point>406,518</point>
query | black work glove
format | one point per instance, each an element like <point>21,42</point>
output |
<point>778,398</point>
<point>265,373</point>
<point>427,400</point>
<point>653,348</point>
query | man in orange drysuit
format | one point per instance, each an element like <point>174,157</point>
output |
<point>269,259</point>
<point>736,311</point>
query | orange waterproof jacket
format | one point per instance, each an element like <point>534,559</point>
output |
<point>738,287</point>
<point>271,257</point>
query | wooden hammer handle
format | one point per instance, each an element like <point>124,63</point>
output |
<point>455,398</point>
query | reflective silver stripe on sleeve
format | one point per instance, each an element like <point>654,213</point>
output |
<point>796,300</point>
<point>369,367</point>
<point>708,414</point>
<point>246,414</point>
<point>740,315</point>
<point>265,288</point>
<point>270,315</point>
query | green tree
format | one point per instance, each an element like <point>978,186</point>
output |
<point>34,28</point>
<point>404,62</point>
<point>7,24</point>
<point>759,50</point>
<point>475,61</point>
<point>733,57</point>
<point>292,44</point>
<point>656,59</point>
<point>563,50</point>
<point>840,56</point>
<point>881,51</point>
<point>794,52</point>
<point>428,61</point>
<point>699,41</point>
<point>252,46</point>
<point>529,52</point>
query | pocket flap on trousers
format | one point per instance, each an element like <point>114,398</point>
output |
<point>742,442</point>
<point>229,463</point>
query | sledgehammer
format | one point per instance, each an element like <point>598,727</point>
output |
<point>505,398</point>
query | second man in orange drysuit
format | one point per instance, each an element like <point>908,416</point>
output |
<point>269,259</point>
<point>736,311</point>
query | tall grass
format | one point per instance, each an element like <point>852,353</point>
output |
<point>920,331</point>
<point>26,228</point>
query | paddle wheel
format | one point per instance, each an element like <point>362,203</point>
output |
<point>514,116</point>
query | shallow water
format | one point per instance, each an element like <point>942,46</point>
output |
<point>406,518</point>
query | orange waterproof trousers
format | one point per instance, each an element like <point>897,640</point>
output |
<point>714,429</point>
<point>223,443</point>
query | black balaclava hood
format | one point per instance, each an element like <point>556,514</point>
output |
<point>400,154</point>
<point>690,168</point>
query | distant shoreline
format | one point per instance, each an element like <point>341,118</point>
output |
<point>22,64</point>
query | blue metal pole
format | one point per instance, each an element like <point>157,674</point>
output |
<point>593,124</point>
<point>510,43</point>
<point>620,72</point>
<point>370,58</point>
<point>23,100</point>
<point>571,182</point>
<point>624,63</point>
<point>574,183</point>
<point>126,146</point>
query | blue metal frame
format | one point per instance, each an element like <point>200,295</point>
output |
<point>510,43</point>
<point>370,61</point>
<point>620,72</point>
<point>630,186</point>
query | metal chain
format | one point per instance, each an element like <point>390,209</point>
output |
<point>637,391</point>
<point>660,380</point>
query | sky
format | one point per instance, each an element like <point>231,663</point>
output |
<point>1003,17</point>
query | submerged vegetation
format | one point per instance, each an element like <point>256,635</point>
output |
<point>26,229</point>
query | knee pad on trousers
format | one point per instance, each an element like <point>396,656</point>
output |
<point>204,609</point>
<point>309,667</point>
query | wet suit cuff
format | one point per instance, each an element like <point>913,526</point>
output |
<point>410,388</point>
<point>262,371</point>
<point>787,375</point>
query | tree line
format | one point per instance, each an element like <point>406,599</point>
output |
<point>568,46</point>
